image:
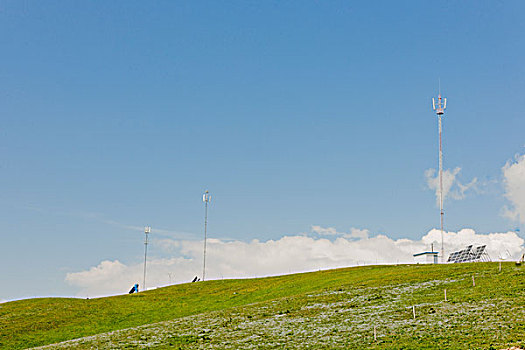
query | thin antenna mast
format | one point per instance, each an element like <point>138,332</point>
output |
<point>439,106</point>
<point>147,230</point>
<point>206,198</point>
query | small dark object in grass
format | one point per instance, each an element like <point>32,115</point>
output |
<point>134,289</point>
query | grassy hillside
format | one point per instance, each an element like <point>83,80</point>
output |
<point>326,309</point>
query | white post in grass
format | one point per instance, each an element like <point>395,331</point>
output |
<point>414,311</point>
<point>445,295</point>
<point>473,281</point>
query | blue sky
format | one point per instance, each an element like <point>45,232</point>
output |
<point>115,115</point>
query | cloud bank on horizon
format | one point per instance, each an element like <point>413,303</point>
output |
<point>300,253</point>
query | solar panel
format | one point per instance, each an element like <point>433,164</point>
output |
<point>467,255</point>
<point>479,251</point>
<point>452,257</point>
<point>463,254</point>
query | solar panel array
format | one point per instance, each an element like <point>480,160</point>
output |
<point>467,255</point>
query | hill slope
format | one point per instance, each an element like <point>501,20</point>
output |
<point>330,309</point>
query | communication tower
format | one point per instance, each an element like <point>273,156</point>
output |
<point>439,107</point>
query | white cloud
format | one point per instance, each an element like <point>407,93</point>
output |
<point>237,259</point>
<point>331,231</point>
<point>514,183</point>
<point>324,231</point>
<point>452,187</point>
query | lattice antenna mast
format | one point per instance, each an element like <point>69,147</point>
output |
<point>206,198</point>
<point>147,231</point>
<point>439,107</point>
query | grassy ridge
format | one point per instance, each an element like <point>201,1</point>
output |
<point>36,322</point>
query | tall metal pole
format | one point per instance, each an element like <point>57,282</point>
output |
<point>205,198</point>
<point>147,230</point>
<point>439,106</point>
<point>441,189</point>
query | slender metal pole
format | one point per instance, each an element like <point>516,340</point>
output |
<point>205,232</point>
<point>146,232</point>
<point>441,188</point>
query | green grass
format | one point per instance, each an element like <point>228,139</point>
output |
<point>325,309</point>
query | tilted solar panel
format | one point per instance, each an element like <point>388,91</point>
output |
<point>462,255</point>
<point>467,254</point>
<point>452,257</point>
<point>479,251</point>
